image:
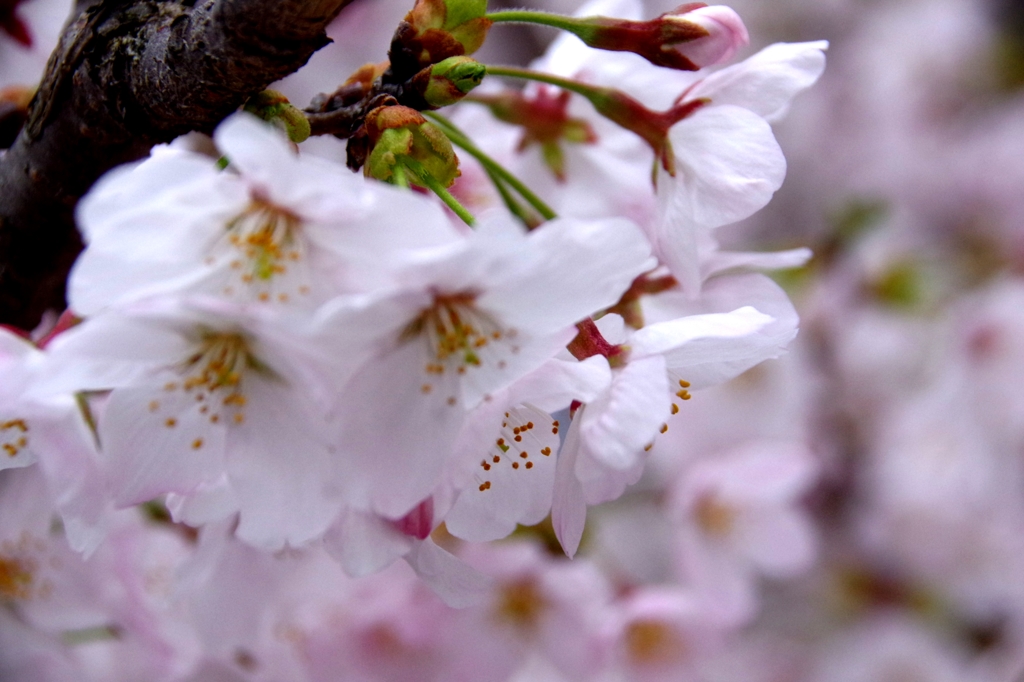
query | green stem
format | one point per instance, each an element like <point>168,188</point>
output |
<point>493,168</point>
<point>594,94</point>
<point>529,220</point>
<point>521,16</point>
<point>617,107</point>
<point>437,188</point>
<point>400,179</point>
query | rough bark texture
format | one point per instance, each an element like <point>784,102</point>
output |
<point>130,74</point>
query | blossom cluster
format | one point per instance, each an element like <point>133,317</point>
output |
<point>288,402</point>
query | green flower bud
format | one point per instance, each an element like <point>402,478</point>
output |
<point>275,108</point>
<point>448,81</point>
<point>438,29</point>
<point>398,133</point>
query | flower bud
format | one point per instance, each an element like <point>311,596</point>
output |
<point>448,81</point>
<point>397,133</point>
<point>437,29</point>
<point>725,34</point>
<point>275,108</point>
<point>688,38</point>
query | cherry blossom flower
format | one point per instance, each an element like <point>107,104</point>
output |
<point>118,600</point>
<point>546,605</point>
<point>605,447</point>
<point>726,34</point>
<point>741,515</point>
<point>665,634</point>
<point>51,431</point>
<point>512,483</point>
<point>274,227</point>
<point>726,162</point>
<point>480,314</point>
<point>203,390</point>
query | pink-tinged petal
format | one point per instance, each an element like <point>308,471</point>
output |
<point>726,34</point>
<point>364,543</point>
<point>721,261</point>
<point>503,361</point>
<point>675,237</point>
<point>157,442</point>
<point>14,347</point>
<point>717,346</point>
<point>766,82</point>
<point>150,230</point>
<point>281,467</point>
<point>261,153</point>
<point>779,541</point>
<point>68,457</point>
<point>126,192</point>
<point>556,383</point>
<point>579,268</point>
<point>568,508</point>
<point>398,425</point>
<point>457,583</point>
<point>413,221</point>
<point>106,352</point>
<point>678,335</point>
<point>228,586</point>
<point>602,483</point>
<point>728,293</point>
<point>727,166</point>
<point>209,503</point>
<point>622,421</point>
<point>513,480</point>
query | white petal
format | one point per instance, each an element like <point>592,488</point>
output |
<point>624,419</point>
<point>503,361</point>
<point>209,503</point>
<point>728,165</point>
<point>124,190</point>
<point>720,261</point>
<point>556,383</point>
<point>108,351</point>
<point>150,451</point>
<point>281,468</point>
<point>766,82</point>
<point>568,509</point>
<point>705,350</point>
<point>579,268</point>
<point>513,480</point>
<point>364,543</point>
<point>398,427</point>
<point>262,154</point>
<point>453,580</point>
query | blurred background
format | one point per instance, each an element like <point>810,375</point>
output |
<point>905,386</point>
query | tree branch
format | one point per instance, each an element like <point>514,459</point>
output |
<point>129,75</point>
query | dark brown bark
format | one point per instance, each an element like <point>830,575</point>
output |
<point>129,75</point>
